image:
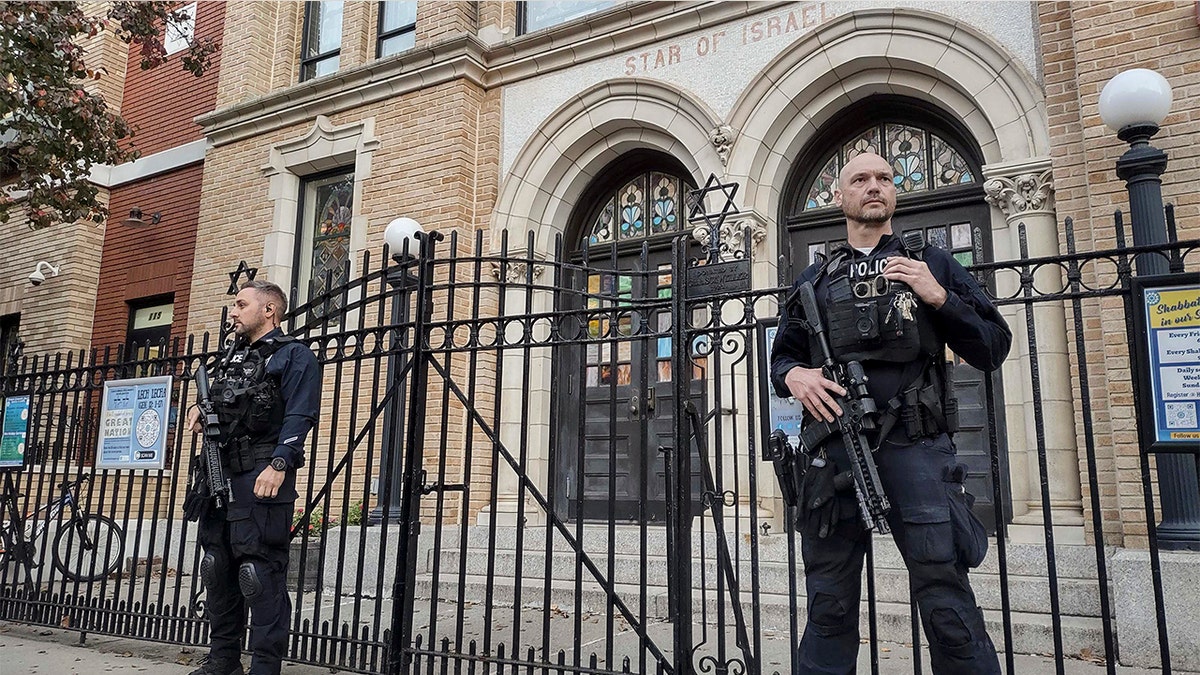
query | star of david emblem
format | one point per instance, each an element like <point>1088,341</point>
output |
<point>709,233</point>
<point>242,268</point>
<point>697,209</point>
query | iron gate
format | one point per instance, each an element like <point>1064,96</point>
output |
<point>434,534</point>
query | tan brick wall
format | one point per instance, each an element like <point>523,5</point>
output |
<point>359,21</point>
<point>267,38</point>
<point>501,13</point>
<point>437,161</point>
<point>438,20</point>
<point>252,30</point>
<point>56,316</point>
<point>1084,45</point>
<point>105,52</point>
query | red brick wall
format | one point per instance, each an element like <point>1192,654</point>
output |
<point>160,103</point>
<point>140,262</point>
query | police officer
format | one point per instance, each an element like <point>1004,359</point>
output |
<point>267,392</point>
<point>894,308</point>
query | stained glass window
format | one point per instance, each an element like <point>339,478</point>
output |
<point>920,160</point>
<point>952,169</point>
<point>631,201</point>
<point>646,205</point>
<point>906,150</point>
<point>329,206</point>
<point>821,192</point>
<point>608,297</point>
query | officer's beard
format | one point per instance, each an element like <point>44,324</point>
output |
<point>862,216</point>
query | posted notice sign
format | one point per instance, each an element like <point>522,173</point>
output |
<point>1173,340</point>
<point>133,423</point>
<point>14,432</point>
<point>785,413</point>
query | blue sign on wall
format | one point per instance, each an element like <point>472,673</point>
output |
<point>133,423</point>
<point>14,432</point>
<point>1173,340</point>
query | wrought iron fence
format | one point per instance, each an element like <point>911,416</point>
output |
<point>550,464</point>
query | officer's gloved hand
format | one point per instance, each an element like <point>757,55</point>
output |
<point>819,506</point>
<point>196,501</point>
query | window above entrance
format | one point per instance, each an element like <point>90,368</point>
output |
<point>644,206</point>
<point>921,160</point>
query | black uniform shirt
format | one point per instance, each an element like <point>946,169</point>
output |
<point>968,322</point>
<point>295,368</point>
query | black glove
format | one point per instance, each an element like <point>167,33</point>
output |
<point>198,499</point>
<point>819,505</point>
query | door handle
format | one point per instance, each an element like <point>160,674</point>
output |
<point>651,397</point>
<point>633,406</point>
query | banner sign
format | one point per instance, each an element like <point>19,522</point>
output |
<point>14,432</point>
<point>1172,322</point>
<point>133,423</point>
<point>784,413</point>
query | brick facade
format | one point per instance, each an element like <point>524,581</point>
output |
<point>1083,46</point>
<point>160,104</point>
<point>440,154</point>
<point>151,260</point>
<point>156,260</point>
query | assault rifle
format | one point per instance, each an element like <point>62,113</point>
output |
<point>858,411</point>
<point>211,478</point>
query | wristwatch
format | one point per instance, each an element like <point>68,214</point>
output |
<point>279,464</point>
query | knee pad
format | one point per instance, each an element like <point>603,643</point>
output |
<point>249,580</point>
<point>948,627</point>
<point>209,564</point>
<point>829,615</point>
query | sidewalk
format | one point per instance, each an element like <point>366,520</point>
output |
<point>35,650</point>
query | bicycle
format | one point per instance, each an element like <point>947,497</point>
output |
<point>93,544</point>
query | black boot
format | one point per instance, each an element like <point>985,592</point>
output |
<point>211,666</point>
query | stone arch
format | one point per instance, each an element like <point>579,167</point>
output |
<point>584,135</point>
<point>912,53</point>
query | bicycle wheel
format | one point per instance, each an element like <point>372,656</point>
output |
<point>89,548</point>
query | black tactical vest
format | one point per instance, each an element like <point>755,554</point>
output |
<point>248,399</point>
<point>873,319</point>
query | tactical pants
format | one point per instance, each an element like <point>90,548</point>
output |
<point>257,535</point>
<point>938,539</point>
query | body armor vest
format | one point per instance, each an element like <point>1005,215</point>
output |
<point>873,319</point>
<point>248,399</point>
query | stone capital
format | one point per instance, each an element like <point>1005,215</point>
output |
<point>732,234</point>
<point>516,266</point>
<point>1020,188</point>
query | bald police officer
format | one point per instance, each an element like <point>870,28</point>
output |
<point>267,393</point>
<point>894,308</point>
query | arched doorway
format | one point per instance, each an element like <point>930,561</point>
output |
<point>616,398</point>
<point>939,184</point>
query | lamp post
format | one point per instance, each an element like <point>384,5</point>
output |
<point>1134,104</point>
<point>404,246</point>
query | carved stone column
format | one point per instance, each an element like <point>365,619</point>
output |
<point>518,395</point>
<point>1024,192</point>
<point>741,233</point>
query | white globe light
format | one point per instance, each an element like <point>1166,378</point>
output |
<point>1135,97</point>
<point>403,230</point>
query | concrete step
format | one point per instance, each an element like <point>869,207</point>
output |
<point>1077,597</point>
<point>1071,561</point>
<point>1032,632</point>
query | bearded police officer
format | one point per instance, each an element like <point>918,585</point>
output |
<point>267,393</point>
<point>893,305</point>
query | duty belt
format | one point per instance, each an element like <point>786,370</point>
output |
<point>243,455</point>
